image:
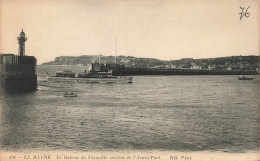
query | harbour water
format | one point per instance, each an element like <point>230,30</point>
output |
<point>179,113</point>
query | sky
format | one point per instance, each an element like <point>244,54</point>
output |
<point>162,29</point>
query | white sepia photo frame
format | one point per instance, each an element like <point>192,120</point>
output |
<point>159,29</point>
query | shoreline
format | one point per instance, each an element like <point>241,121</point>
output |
<point>168,71</point>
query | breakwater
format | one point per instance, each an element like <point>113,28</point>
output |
<point>18,84</point>
<point>17,73</point>
<point>155,71</point>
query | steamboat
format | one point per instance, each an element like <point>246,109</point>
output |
<point>96,73</point>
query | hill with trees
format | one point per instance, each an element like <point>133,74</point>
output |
<point>225,63</point>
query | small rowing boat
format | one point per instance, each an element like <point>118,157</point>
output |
<point>70,95</point>
<point>242,77</point>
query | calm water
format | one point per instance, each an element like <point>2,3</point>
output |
<point>180,113</point>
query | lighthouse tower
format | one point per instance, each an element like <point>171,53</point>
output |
<point>21,41</point>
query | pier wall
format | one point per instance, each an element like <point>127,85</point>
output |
<point>18,84</point>
<point>153,71</point>
<point>17,74</point>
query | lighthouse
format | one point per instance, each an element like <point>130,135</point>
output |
<point>21,41</point>
<point>18,72</point>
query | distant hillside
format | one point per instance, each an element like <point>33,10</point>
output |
<point>228,63</point>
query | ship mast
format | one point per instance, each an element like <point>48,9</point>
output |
<point>116,56</point>
<point>99,58</point>
<point>116,50</point>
